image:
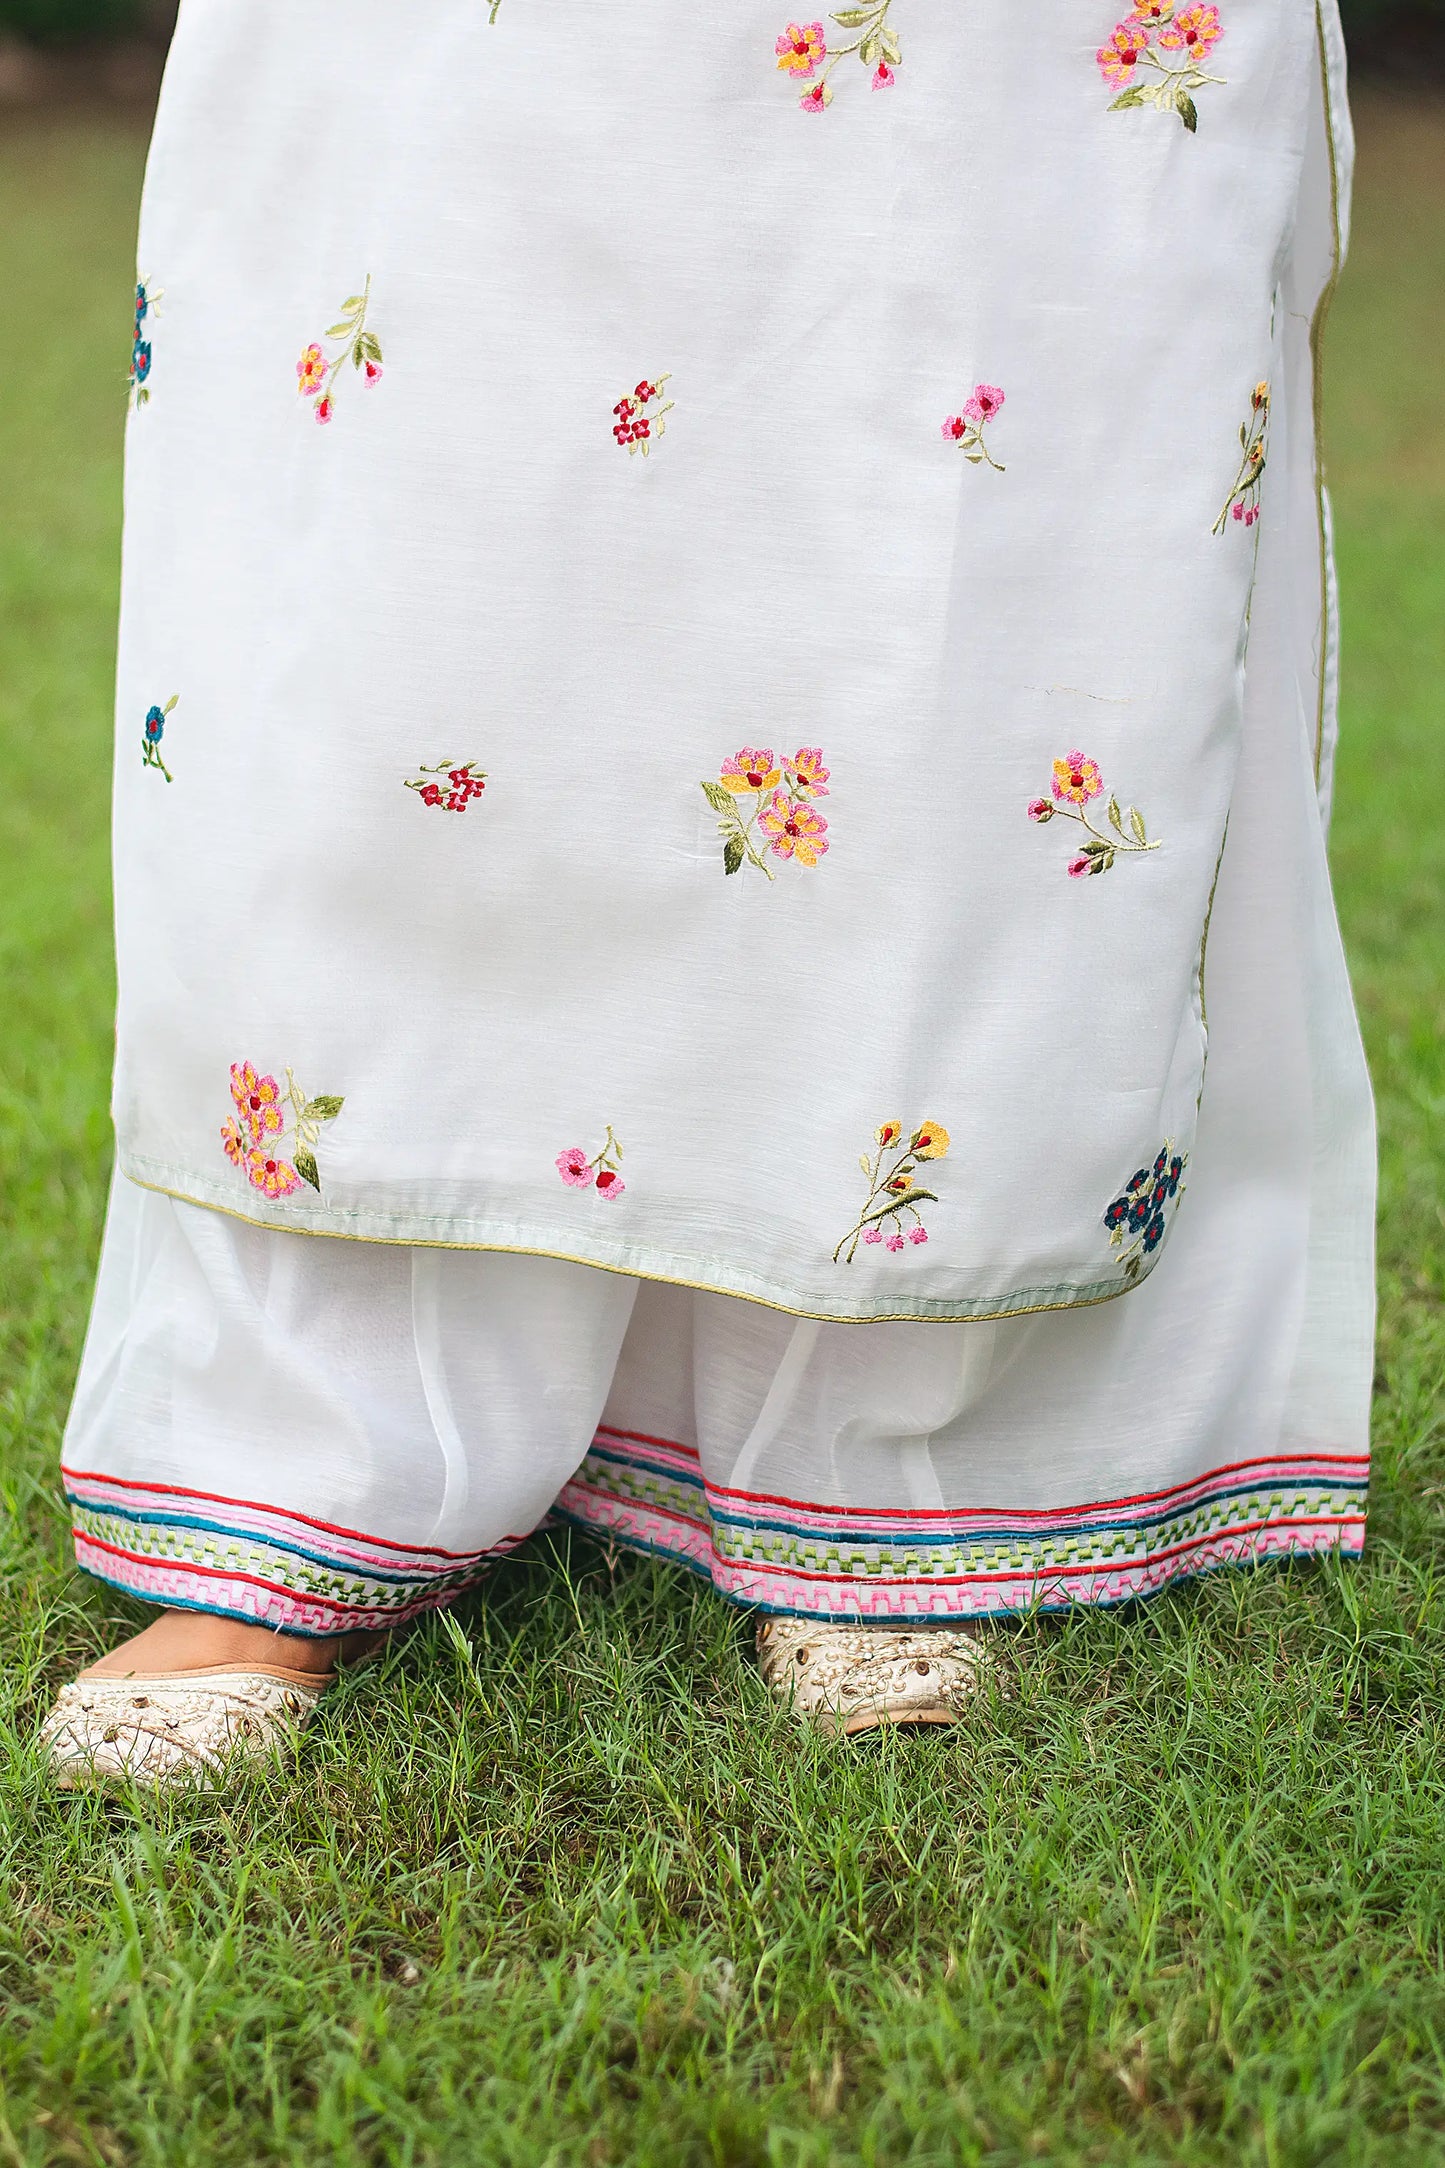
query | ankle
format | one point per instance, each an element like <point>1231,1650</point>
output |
<point>195,1640</point>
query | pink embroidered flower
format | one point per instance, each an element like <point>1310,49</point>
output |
<point>883,76</point>
<point>325,408</point>
<point>258,1102</point>
<point>954,428</point>
<point>808,773</point>
<point>233,1143</point>
<point>373,372</point>
<point>1077,779</point>
<point>802,49</point>
<point>918,1234</point>
<point>1078,867</point>
<point>895,1242</point>
<point>1039,809</point>
<point>311,372</point>
<point>1195,30</point>
<point>575,1168</point>
<point>1150,12</point>
<point>985,403</point>
<point>751,768</point>
<point>873,1233</point>
<point>609,1182</point>
<point>814,100</point>
<point>794,831</point>
<point>1120,57</point>
<point>273,1177</point>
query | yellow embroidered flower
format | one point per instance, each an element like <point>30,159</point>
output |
<point>802,48</point>
<point>1195,31</point>
<point>311,372</point>
<point>888,1133</point>
<point>258,1101</point>
<point>273,1177</point>
<point>1077,779</point>
<point>750,769</point>
<point>929,1141</point>
<point>793,830</point>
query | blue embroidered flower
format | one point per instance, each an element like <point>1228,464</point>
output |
<point>1135,1218</point>
<point>147,302</point>
<point>154,731</point>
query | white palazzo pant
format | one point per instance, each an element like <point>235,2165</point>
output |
<point>325,1435</point>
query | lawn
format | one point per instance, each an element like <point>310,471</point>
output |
<point>572,1891</point>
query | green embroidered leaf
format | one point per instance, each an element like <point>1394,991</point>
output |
<point>352,303</point>
<point>170,703</point>
<point>308,1170</point>
<point>732,854</point>
<point>324,1109</point>
<point>1127,97</point>
<point>892,50</point>
<point>340,331</point>
<point>1116,819</point>
<point>868,50</point>
<point>863,1163</point>
<point>1098,848</point>
<point>371,345</point>
<point>1102,865</point>
<point>719,799</point>
<point>854,18</point>
<point>1185,107</point>
<point>1136,822</point>
<point>896,1204</point>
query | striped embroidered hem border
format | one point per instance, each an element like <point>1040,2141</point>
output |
<point>840,1562</point>
<point>198,1550</point>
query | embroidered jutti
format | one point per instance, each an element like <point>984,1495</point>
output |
<point>727,687</point>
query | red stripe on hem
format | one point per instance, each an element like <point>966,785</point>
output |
<point>1020,1513</point>
<point>1012,1573</point>
<point>219,1573</point>
<point>252,1505</point>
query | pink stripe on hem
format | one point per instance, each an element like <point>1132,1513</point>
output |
<point>1281,1467</point>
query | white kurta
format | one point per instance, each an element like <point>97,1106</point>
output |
<point>712,690</point>
<point>946,511</point>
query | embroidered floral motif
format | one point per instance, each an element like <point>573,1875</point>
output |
<point>154,731</point>
<point>1243,498</point>
<point>781,819</point>
<point>1192,32</point>
<point>316,370</point>
<point>966,428</point>
<point>146,304</point>
<point>599,1173</point>
<point>1077,781</point>
<point>1135,1220</point>
<point>805,55</point>
<point>634,426</point>
<point>462,781</point>
<point>252,1141</point>
<point>891,1215</point>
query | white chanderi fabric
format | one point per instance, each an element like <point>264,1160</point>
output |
<point>728,684</point>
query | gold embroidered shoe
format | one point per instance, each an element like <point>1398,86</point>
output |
<point>181,1727</point>
<point>851,1678</point>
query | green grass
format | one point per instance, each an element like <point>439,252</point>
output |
<point>583,1896</point>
